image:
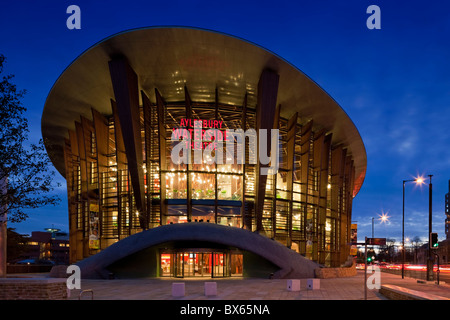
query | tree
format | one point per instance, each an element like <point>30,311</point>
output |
<point>23,165</point>
<point>417,243</point>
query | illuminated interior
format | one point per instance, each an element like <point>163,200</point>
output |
<point>209,192</point>
<point>201,263</point>
<point>112,133</point>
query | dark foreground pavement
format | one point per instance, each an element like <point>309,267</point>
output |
<point>351,288</point>
<point>239,298</point>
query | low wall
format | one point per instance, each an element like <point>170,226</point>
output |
<point>325,273</point>
<point>59,272</point>
<point>33,289</point>
<point>27,268</point>
<point>393,292</point>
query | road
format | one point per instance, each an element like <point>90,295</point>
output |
<point>419,271</point>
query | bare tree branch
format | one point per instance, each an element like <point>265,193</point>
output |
<point>23,165</point>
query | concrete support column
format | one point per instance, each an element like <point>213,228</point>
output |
<point>265,119</point>
<point>126,92</point>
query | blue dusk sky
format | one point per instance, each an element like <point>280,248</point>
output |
<point>392,82</point>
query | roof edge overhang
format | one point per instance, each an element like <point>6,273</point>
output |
<point>157,52</point>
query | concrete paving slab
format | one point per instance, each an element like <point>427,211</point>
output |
<point>351,288</point>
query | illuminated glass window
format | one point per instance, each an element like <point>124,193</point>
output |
<point>297,217</point>
<point>203,185</point>
<point>229,187</point>
<point>176,185</point>
<point>282,188</point>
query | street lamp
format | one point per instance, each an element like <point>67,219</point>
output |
<point>418,181</point>
<point>372,227</point>
<point>384,218</point>
<point>429,262</point>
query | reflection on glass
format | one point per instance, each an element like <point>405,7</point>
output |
<point>296,193</point>
<point>165,264</point>
<point>176,219</point>
<point>176,214</point>
<point>229,187</point>
<point>297,220</point>
<point>229,216</point>
<point>282,192</point>
<point>203,213</point>
<point>236,264</point>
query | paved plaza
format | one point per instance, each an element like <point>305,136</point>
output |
<point>351,288</point>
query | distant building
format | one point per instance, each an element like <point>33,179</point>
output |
<point>51,245</point>
<point>443,251</point>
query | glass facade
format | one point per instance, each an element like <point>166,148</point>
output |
<point>306,205</point>
<point>170,131</point>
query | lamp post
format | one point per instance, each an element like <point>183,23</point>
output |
<point>430,259</point>
<point>418,180</point>
<point>372,227</point>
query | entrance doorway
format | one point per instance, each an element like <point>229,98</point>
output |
<point>200,263</point>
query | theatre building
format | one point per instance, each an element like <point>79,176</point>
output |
<point>123,118</point>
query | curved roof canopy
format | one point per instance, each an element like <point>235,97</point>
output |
<point>169,58</point>
<point>290,262</point>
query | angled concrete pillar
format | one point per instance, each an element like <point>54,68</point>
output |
<point>122,163</point>
<point>305,150</point>
<point>188,104</point>
<point>83,212</point>
<point>246,223</point>
<point>147,108</point>
<point>322,146</point>
<point>76,217</point>
<point>101,137</point>
<point>265,116</point>
<point>291,134</point>
<point>126,92</point>
<point>160,108</point>
<point>349,173</point>
<point>101,130</point>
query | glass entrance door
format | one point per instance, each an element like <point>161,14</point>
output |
<point>218,263</point>
<point>206,264</point>
<point>200,264</point>
<point>179,265</point>
<point>236,265</point>
<point>189,264</point>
